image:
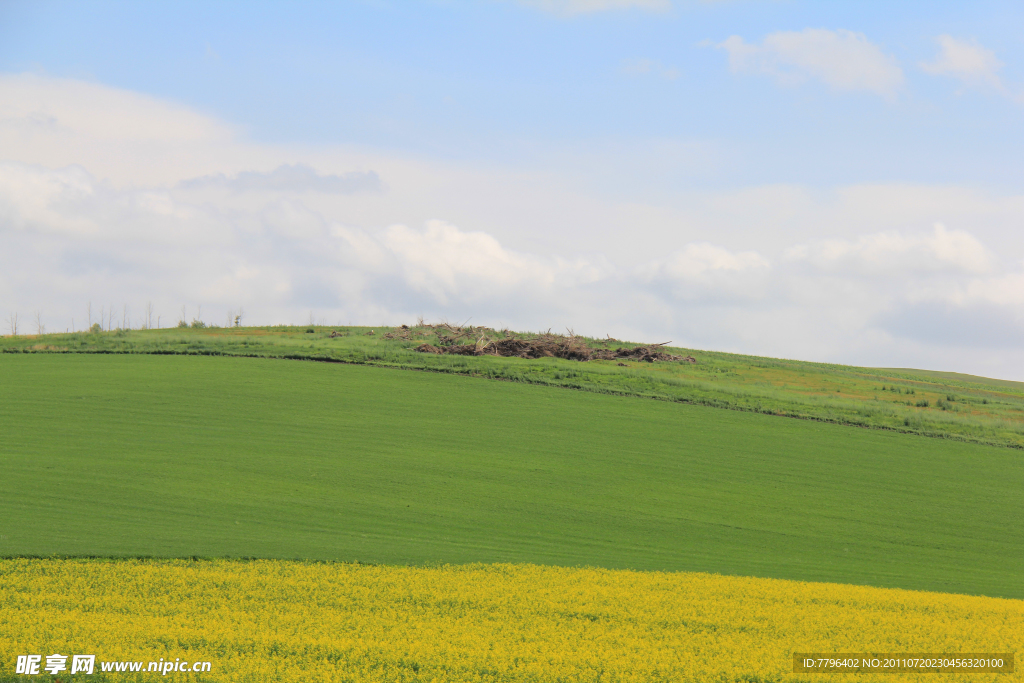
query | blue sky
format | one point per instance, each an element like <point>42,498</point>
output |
<point>715,161</point>
<point>493,80</point>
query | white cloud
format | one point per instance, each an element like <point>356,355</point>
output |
<point>699,260</point>
<point>79,109</point>
<point>163,243</point>
<point>293,221</point>
<point>966,61</point>
<point>643,67</point>
<point>842,59</point>
<point>894,253</point>
<point>126,137</point>
<point>703,271</point>
<point>444,261</point>
<point>288,178</point>
<point>28,196</point>
<point>1005,290</point>
<point>574,7</point>
<point>699,268</point>
<point>70,203</point>
<point>448,263</point>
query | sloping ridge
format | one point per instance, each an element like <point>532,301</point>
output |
<point>958,377</point>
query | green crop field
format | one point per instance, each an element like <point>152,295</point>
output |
<point>946,405</point>
<point>176,455</point>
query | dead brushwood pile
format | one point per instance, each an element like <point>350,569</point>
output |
<point>483,341</point>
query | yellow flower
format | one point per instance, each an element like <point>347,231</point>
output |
<point>295,621</point>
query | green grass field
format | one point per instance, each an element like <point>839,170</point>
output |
<point>213,456</point>
<point>946,405</point>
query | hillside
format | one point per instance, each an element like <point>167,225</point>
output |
<point>946,405</point>
<point>178,456</point>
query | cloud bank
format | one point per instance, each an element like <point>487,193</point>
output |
<point>71,239</point>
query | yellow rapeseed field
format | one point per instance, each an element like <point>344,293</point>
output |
<point>296,621</point>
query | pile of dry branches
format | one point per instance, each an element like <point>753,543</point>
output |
<point>482,341</point>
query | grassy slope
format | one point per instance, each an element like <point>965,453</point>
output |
<point>958,378</point>
<point>180,456</point>
<point>958,406</point>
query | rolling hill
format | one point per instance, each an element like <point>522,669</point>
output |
<point>193,455</point>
